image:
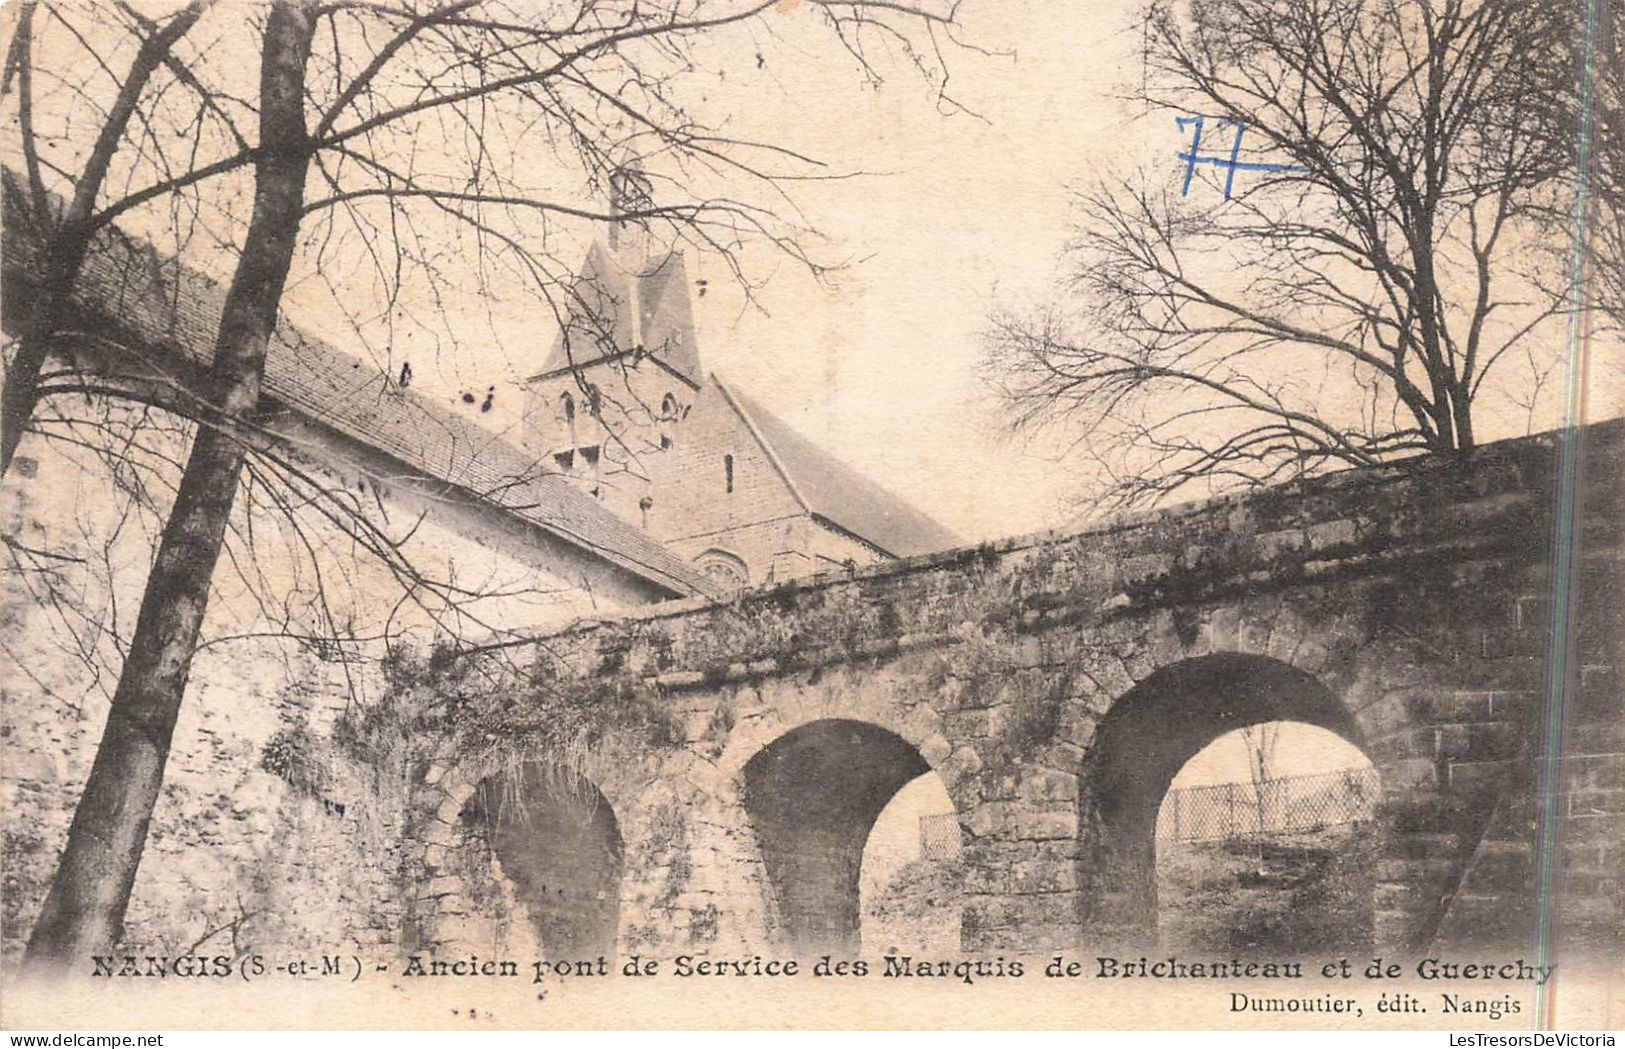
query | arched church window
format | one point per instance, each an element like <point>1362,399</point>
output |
<point>728,471</point>
<point>723,568</point>
<point>668,407</point>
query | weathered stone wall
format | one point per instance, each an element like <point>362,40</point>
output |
<point>691,506</point>
<point>1054,683</point>
<point>265,831</point>
<point>1057,683</point>
<point>759,519</point>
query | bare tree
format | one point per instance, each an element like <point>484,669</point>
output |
<point>85,906</point>
<point>127,109</point>
<point>1336,269</point>
<point>347,96</point>
<point>1259,741</point>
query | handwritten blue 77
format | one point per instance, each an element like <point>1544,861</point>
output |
<point>1231,164</point>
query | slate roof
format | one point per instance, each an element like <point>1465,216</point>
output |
<point>832,490</point>
<point>609,295</point>
<point>606,297</point>
<point>127,291</point>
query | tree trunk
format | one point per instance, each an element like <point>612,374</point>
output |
<point>84,910</point>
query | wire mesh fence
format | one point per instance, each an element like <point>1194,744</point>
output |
<point>939,837</point>
<point>1274,806</point>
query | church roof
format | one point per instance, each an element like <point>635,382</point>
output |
<point>830,489</point>
<point>618,309</point>
<point>127,290</point>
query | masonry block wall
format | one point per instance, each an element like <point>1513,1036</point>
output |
<point>266,832</point>
<point>695,479</point>
<point>756,517</point>
<point>718,490</point>
<point>737,750</point>
<point>1057,683</point>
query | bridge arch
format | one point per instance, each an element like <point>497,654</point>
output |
<point>500,830</point>
<point>812,797</point>
<point>1141,743</point>
<point>554,838</point>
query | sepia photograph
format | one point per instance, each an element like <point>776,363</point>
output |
<point>812,514</point>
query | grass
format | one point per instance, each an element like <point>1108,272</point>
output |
<point>1290,895</point>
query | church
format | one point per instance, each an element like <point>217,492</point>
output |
<point>639,474</point>
<point>394,518</point>
<point>624,408</point>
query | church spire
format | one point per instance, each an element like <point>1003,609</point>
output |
<point>629,296</point>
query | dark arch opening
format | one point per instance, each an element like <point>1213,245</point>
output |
<point>1142,743</point>
<point>557,840</point>
<point>812,796</point>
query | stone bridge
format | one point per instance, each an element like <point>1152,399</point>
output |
<point>1056,684</point>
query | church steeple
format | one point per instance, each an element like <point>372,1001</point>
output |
<point>631,296</point>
